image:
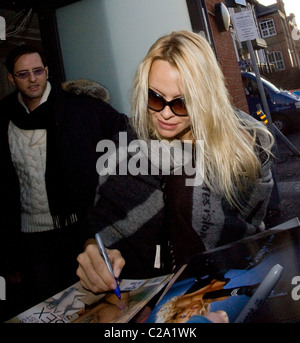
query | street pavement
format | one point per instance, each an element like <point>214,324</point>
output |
<point>285,202</point>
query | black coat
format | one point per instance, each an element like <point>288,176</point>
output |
<point>81,122</point>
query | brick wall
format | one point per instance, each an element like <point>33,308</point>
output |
<point>282,40</point>
<point>286,79</point>
<point>227,60</point>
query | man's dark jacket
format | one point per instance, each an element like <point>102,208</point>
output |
<point>80,123</point>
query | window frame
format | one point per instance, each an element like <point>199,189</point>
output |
<point>278,62</point>
<point>266,32</point>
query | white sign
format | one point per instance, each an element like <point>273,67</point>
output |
<point>244,25</point>
<point>2,288</point>
<point>2,28</point>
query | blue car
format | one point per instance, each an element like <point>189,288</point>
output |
<point>297,92</point>
<point>284,106</point>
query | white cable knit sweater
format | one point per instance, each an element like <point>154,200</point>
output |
<point>28,150</point>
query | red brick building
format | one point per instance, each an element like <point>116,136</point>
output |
<point>280,32</point>
<point>222,43</point>
<point>276,29</point>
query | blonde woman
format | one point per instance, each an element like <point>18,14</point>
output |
<point>181,308</point>
<point>152,219</point>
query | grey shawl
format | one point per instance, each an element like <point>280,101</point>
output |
<point>143,214</point>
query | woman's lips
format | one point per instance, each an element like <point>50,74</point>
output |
<point>166,126</point>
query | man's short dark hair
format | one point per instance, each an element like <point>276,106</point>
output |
<point>19,51</point>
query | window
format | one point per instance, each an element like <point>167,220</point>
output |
<point>275,57</point>
<point>267,28</point>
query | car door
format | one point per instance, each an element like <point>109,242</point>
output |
<point>253,95</point>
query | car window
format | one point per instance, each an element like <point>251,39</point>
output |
<point>250,83</point>
<point>270,85</point>
<point>250,87</point>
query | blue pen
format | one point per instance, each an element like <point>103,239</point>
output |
<point>104,255</point>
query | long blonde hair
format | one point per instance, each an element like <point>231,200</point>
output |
<point>230,160</point>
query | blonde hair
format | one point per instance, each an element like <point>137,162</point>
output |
<point>230,161</point>
<point>169,311</point>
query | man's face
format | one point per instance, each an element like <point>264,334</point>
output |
<point>32,87</point>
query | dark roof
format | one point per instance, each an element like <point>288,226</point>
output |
<point>262,10</point>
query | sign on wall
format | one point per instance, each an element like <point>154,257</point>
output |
<point>245,26</point>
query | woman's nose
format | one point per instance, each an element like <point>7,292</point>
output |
<point>166,112</point>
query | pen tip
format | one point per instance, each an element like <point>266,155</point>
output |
<point>118,291</point>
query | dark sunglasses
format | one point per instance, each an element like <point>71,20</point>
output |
<point>157,103</point>
<point>24,74</point>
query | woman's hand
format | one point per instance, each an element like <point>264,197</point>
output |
<point>93,272</point>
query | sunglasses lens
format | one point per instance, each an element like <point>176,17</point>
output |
<point>178,107</point>
<point>158,103</point>
<point>38,71</point>
<point>155,102</point>
<point>23,74</point>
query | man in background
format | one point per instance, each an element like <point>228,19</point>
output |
<point>48,179</point>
